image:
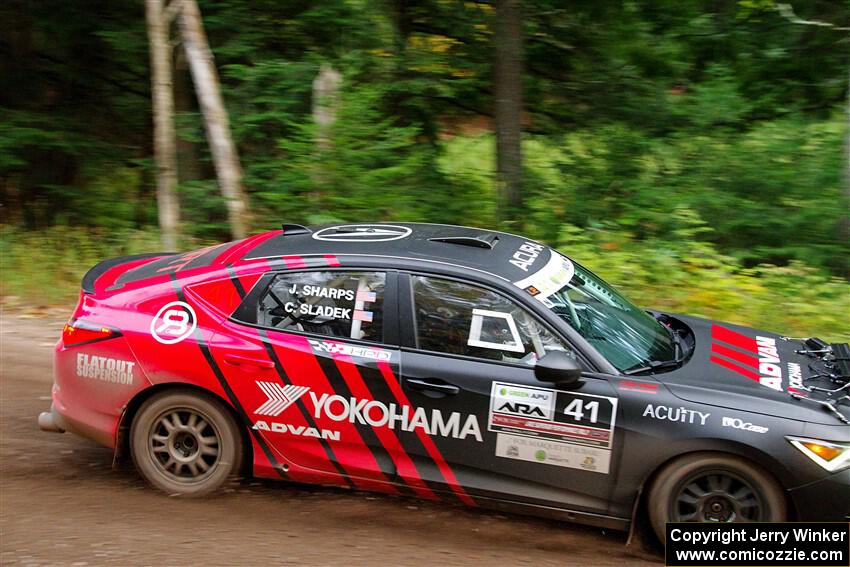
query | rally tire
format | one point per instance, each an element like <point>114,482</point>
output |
<point>714,487</point>
<point>186,443</point>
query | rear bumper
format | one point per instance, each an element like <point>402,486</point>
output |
<point>84,422</point>
<point>90,404</point>
<point>825,500</point>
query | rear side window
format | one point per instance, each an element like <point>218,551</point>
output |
<point>457,318</point>
<point>334,304</point>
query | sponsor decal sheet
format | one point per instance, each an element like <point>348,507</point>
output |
<point>551,427</point>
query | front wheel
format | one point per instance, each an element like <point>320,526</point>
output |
<point>714,487</point>
<point>185,443</point>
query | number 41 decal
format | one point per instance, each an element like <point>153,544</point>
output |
<point>578,406</point>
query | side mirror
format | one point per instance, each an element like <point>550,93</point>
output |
<point>557,367</point>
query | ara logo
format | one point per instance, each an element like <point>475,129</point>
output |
<point>362,233</point>
<point>521,409</point>
<point>279,397</point>
<point>524,401</point>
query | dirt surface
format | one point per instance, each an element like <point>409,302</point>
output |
<point>62,504</point>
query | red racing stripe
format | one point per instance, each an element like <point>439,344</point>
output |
<point>293,262</point>
<point>254,270</point>
<point>185,353</point>
<point>736,355</point>
<point>302,368</point>
<point>248,281</point>
<point>109,277</point>
<point>733,338</point>
<point>426,440</point>
<point>236,253</point>
<point>387,437</point>
<point>229,251</point>
<point>181,261</point>
<point>250,396</point>
<point>735,368</point>
<point>332,260</point>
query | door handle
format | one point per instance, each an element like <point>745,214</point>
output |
<point>432,385</point>
<point>241,360</point>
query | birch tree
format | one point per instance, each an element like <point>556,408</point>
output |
<point>204,75</point>
<point>165,139</point>
<point>326,87</point>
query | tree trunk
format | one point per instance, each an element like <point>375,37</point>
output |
<point>223,150</point>
<point>325,102</point>
<point>845,222</point>
<point>165,156</point>
<point>189,167</point>
<point>508,91</point>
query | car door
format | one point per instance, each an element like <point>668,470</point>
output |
<point>470,350</point>
<point>301,351</point>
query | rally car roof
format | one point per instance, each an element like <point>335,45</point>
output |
<point>477,248</point>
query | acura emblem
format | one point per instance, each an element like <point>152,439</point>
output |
<point>362,233</point>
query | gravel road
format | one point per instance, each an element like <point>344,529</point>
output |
<point>62,504</point>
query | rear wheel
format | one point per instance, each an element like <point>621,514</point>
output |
<point>185,443</point>
<point>713,487</point>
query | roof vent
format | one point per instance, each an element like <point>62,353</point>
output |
<point>293,229</point>
<point>487,241</point>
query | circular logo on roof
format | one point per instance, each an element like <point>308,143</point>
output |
<point>362,233</point>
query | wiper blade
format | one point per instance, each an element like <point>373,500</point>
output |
<point>679,342</point>
<point>679,352</point>
<point>676,362</point>
<point>654,365</point>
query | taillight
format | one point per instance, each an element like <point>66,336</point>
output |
<point>78,332</point>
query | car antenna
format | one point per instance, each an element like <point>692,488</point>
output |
<point>293,229</point>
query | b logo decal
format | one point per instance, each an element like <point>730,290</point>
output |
<point>173,323</point>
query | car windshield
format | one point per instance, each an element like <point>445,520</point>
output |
<point>626,335</point>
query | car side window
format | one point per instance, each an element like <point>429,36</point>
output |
<point>457,318</point>
<point>335,304</point>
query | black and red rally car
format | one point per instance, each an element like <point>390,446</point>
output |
<point>448,363</point>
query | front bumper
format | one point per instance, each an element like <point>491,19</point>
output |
<point>826,500</point>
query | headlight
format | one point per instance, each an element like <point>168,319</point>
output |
<point>830,455</point>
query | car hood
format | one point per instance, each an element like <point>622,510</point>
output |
<point>747,369</point>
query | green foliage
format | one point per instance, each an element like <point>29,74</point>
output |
<point>636,112</point>
<point>45,268</point>
<point>368,170</point>
<point>684,275</point>
<point>772,194</point>
<point>372,168</point>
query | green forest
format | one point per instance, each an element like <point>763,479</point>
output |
<point>693,153</point>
